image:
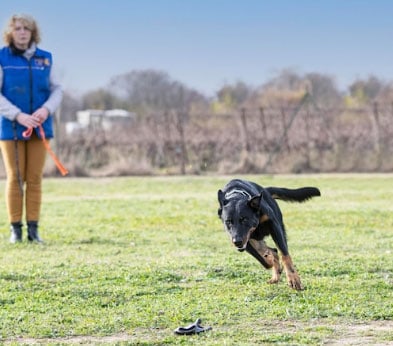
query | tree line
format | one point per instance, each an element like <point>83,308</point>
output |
<point>145,92</point>
<point>292,123</point>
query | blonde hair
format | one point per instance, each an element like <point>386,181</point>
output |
<point>27,20</point>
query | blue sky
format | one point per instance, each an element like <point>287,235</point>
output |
<point>207,43</point>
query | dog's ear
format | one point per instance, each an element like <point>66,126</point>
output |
<point>222,201</point>
<point>221,198</point>
<point>255,202</point>
<point>259,204</point>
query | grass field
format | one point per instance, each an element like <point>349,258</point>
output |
<point>128,260</point>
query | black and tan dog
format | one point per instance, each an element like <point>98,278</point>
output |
<point>249,213</point>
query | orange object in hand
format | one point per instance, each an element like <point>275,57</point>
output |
<point>58,164</point>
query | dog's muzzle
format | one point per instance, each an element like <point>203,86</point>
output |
<point>241,247</point>
<point>241,243</point>
<point>238,242</point>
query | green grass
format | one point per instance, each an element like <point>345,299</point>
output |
<point>127,260</point>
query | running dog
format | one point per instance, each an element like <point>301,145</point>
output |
<point>249,213</point>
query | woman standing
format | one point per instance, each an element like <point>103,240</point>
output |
<point>29,96</point>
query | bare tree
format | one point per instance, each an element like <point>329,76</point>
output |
<point>151,91</point>
<point>70,105</point>
<point>323,90</point>
<point>101,99</point>
<point>233,96</point>
<point>365,91</point>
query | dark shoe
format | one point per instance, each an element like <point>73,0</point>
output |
<point>32,232</point>
<point>16,232</point>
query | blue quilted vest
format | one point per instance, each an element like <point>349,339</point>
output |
<point>26,85</point>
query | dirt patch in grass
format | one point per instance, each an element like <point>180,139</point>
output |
<point>376,333</point>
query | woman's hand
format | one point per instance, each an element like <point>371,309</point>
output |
<point>41,114</point>
<point>34,120</point>
<point>28,120</point>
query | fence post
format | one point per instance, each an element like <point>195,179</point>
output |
<point>263,125</point>
<point>378,143</point>
<point>284,126</point>
<point>246,144</point>
<point>183,149</point>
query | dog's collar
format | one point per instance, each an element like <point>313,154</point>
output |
<point>231,193</point>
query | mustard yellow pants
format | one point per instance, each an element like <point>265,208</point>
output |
<point>23,184</point>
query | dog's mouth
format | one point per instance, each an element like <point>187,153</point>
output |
<point>242,246</point>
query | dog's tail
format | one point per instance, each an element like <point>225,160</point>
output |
<point>293,195</point>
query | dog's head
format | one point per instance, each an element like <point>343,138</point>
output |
<point>240,217</point>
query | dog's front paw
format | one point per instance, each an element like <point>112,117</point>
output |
<point>276,273</point>
<point>294,282</point>
<point>293,277</point>
<point>273,281</point>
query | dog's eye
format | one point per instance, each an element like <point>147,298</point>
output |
<point>243,220</point>
<point>228,222</point>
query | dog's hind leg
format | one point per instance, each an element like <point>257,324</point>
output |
<point>267,256</point>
